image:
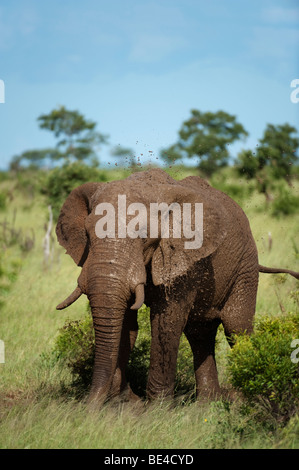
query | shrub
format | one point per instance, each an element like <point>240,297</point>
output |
<point>4,176</point>
<point>260,365</point>
<point>235,191</point>
<point>29,181</point>
<point>62,180</point>
<point>185,380</point>
<point>9,270</point>
<point>286,203</point>
<point>239,191</point>
<point>75,346</point>
<point>11,236</point>
<point>138,365</point>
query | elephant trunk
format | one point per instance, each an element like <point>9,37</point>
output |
<point>112,280</point>
<point>107,328</point>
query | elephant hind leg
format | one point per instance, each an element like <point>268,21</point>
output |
<point>201,337</point>
<point>238,311</point>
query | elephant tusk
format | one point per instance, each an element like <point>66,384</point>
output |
<point>70,299</point>
<point>139,297</point>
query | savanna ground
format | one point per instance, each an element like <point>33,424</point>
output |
<point>38,408</point>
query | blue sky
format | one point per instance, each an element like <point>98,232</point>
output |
<point>137,67</point>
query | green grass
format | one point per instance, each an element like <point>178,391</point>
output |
<point>55,424</point>
<point>37,404</point>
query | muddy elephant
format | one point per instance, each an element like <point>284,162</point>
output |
<point>118,233</point>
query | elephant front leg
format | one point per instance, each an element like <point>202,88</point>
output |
<point>166,329</point>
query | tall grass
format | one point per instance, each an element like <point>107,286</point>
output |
<point>37,406</point>
<point>56,424</point>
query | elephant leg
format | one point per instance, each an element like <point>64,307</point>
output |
<point>201,337</point>
<point>238,311</point>
<point>167,325</point>
<point>128,338</point>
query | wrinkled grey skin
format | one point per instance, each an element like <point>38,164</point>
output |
<point>190,291</point>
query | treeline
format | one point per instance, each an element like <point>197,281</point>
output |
<point>77,140</point>
<point>205,139</point>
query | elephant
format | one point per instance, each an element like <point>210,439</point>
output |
<point>190,290</point>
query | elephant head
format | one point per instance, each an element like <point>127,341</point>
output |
<point>113,272</point>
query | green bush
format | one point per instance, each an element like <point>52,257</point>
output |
<point>260,365</point>
<point>239,191</point>
<point>9,270</point>
<point>62,180</point>
<point>185,380</point>
<point>137,370</point>
<point>29,181</point>
<point>4,176</point>
<point>285,203</point>
<point>74,345</point>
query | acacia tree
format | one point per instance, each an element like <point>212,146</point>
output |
<point>78,136</point>
<point>206,136</point>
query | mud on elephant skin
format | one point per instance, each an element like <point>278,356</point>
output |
<point>188,290</point>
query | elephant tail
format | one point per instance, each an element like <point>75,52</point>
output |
<point>264,269</point>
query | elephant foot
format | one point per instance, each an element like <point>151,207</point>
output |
<point>127,399</point>
<point>95,402</point>
<point>97,397</point>
<point>208,397</point>
<point>127,395</point>
<point>205,395</point>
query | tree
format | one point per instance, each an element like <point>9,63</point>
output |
<point>207,136</point>
<point>61,180</point>
<point>273,159</point>
<point>247,164</point>
<point>79,137</point>
<point>277,150</point>
<point>34,159</point>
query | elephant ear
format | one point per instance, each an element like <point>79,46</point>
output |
<point>175,256</point>
<point>70,229</point>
